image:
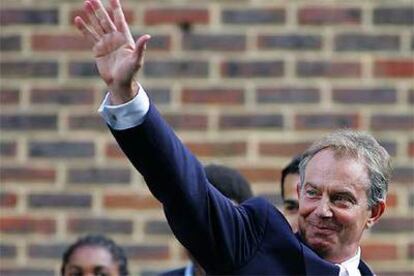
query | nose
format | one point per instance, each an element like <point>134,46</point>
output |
<point>324,210</point>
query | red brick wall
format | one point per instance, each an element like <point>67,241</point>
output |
<point>244,83</point>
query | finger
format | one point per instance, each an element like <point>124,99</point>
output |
<point>141,45</point>
<point>93,20</point>
<point>119,20</point>
<point>89,34</point>
<point>104,19</point>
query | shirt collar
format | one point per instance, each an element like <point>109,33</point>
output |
<point>189,269</point>
<point>351,265</point>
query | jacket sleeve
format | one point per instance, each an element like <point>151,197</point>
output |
<point>218,234</point>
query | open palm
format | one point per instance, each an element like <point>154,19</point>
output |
<point>115,58</point>
<point>118,57</point>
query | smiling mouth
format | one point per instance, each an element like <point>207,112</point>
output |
<point>323,228</point>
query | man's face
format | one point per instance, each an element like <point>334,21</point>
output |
<point>290,202</point>
<point>333,208</point>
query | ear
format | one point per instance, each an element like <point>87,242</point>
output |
<point>376,212</point>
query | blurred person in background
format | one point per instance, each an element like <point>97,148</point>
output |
<point>289,183</point>
<point>94,255</point>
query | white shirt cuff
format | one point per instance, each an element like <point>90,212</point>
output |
<point>126,115</point>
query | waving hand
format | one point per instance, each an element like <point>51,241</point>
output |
<point>118,57</point>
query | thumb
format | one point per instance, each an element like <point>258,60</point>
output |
<point>141,45</point>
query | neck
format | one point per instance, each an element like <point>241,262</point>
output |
<point>340,258</point>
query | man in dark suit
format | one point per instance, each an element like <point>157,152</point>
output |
<point>344,179</point>
<point>232,185</point>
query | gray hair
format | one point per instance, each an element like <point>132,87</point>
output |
<point>362,147</point>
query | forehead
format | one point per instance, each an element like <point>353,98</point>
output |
<point>291,180</point>
<point>91,256</point>
<point>326,167</point>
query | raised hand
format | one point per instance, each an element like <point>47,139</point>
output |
<point>118,57</point>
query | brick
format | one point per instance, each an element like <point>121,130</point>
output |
<point>8,148</point>
<point>147,252</point>
<point>394,225</point>
<point>27,174</point>
<point>376,95</point>
<point>187,121</point>
<point>27,225</point>
<point>83,69</point>
<point>159,95</point>
<point>328,69</point>
<point>410,150</point>
<point>129,15</point>
<point>285,149</point>
<point>252,69</point>
<point>62,96</point>
<point>392,122</point>
<point>87,123</point>
<point>379,251</point>
<point>392,200</point>
<point>8,199</point>
<point>411,200</point>
<point>10,43</point>
<point>99,176</point>
<point>410,251</point>
<point>29,16</point>
<point>112,150</point>
<point>216,149</point>
<point>213,95</point>
<point>366,42</point>
<point>214,42</point>
<point>271,95</point>
<point>27,122</point>
<point>403,174</point>
<point>157,227</point>
<point>411,96</point>
<point>58,42</point>
<point>8,251</point>
<point>390,146</point>
<point>412,42</point>
<point>326,121</point>
<point>394,15</point>
<point>325,15</point>
<point>295,42</point>
<point>56,200</point>
<point>99,225</point>
<point>29,69</point>
<point>156,16</point>
<point>159,43</point>
<point>4,271</point>
<point>9,96</point>
<point>251,121</point>
<point>46,251</point>
<point>394,68</point>
<point>175,69</point>
<point>130,201</point>
<point>257,174</point>
<point>61,149</point>
<point>253,16</point>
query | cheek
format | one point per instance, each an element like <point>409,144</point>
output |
<point>306,208</point>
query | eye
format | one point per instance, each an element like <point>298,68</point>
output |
<point>343,201</point>
<point>311,192</point>
<point>291,206</point>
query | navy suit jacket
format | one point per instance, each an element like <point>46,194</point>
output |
<point>251,239</point>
